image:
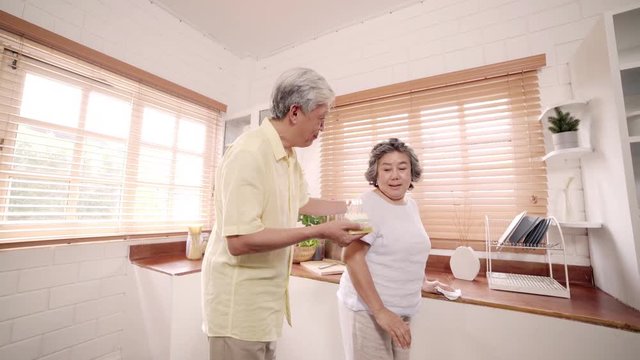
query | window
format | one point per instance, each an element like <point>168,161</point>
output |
<point>87,153</point>
<point>475,132</point>
<point>263,114</point>
<point>234,128</point>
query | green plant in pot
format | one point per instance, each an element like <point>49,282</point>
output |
<point>564,129</point>
<point>305,250</point>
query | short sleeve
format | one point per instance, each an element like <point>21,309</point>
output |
<point>303,188</point>
<point>242,194</point>
<point>371,237</point>
<point>369,208</point>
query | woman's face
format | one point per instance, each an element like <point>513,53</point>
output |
<point>394,175</point>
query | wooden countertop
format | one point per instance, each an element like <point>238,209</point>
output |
<point>587,304</point>
<point>174,265</point>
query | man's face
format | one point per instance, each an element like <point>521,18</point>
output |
<point>310,124</point>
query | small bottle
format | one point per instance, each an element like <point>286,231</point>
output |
<point>319,254</point>
<point>194,242</point>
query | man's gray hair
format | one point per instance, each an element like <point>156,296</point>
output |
<point>385,147</point>
<point>300,86</point>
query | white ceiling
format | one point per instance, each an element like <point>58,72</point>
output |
<point>260,28</point>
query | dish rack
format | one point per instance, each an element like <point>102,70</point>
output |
<point>531,284</point>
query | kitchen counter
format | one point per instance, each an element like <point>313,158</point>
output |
<point>587,304</point>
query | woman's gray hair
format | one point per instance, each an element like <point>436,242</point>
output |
<point>300,86</point>
<point>389,146</point>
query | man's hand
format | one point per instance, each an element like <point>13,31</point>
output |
<point>338,232</point>
<point>393,324</point>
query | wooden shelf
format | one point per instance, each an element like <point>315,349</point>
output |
<point>567,103</point>
<point>630,65</point>
<point>567,154</point>
<point>634,139</point>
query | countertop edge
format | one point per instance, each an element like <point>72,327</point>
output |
<point>178,265</point>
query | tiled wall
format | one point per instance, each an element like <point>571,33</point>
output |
<point>426,39</point>
<point>142,34</point>
<point>62,302</point>
<point>69,302</point>
<point>79,301</point>
<point>74,302</point>
<point>436,37</point>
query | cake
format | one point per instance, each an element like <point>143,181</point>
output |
<point>360,218</point>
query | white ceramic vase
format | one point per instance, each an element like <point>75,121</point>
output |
<point>464,263</point>
<point>565,140</point>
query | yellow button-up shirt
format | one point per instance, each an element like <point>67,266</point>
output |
<point>258,185</point>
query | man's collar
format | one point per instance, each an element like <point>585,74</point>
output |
<point>279,152</point>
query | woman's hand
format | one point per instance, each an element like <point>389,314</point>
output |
<point>393,324</point>
<point>430,286</point>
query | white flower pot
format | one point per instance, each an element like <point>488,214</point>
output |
<point>464,263</point>
<point>565,140</point>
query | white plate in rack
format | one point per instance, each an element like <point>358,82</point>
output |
<point>514,223</point>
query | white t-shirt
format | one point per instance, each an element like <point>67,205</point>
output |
<point>397,257</point>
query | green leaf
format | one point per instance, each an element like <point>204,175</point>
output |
<point>308,243</point>
<point>562,122</point>
<point>310,220</point>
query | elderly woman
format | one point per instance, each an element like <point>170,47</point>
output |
<point>381,289</point>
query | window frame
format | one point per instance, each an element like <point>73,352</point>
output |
<point>363,108</point>
<point>213,146</point>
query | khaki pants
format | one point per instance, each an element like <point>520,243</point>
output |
<point>227,348</point>
<point>364,339</point>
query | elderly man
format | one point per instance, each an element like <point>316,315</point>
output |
<point>260,191</point>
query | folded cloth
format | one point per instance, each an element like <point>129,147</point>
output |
<point>449,294</point>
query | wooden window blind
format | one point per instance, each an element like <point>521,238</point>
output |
<point>85,152</point>
<point>475,132</point>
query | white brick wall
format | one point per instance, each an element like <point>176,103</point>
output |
<point>8,282</point>
<point>69,336</point>
<point>24,259</point>
<point>71,302</point>
<point>63,302</point>
<point>97,347</point>
<point>42,322</point>
<point>5,332</point>
<point>435,37</point>
<point>22,350</point>
<point>21,304</point>
<point>74,293</point>
<point>489,31</point>
<point>60,355</point>
<point>45,277</point>
<point>142,34</point>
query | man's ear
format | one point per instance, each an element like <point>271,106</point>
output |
<point>294,110</point>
